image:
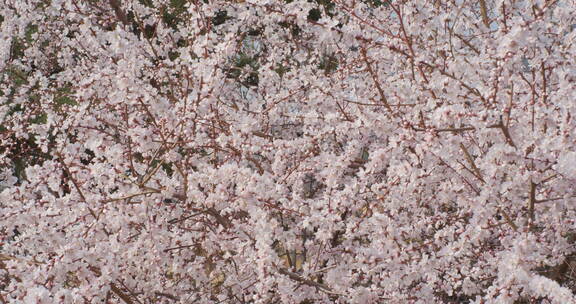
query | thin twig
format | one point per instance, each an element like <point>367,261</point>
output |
<point>510,103</point>
<point>456,130</point>
<point>467,43</point>
<point>484,13</point>
<point>75,183</point>
<point>124,297</point>
<point>167,295</point>
<point>500,125</point>
<point>508,219</point>
<point>383,98</point>
<point>300,279</point>
<point>553,199</point>
<point>531,202</point>
<point>129,196</point>
<point>471,162</point>
<point>544,83</point>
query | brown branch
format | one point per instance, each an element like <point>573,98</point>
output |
<point>300,279</point>
<point>552,199</point>
<point>75,183</point>
<point>508,219</point>
<point>484,13</point>
<point>457,173</point>
<point>471,162</point>
<point>466,168</point>
<point>178,220</point>
<point>380,105</point>
<point>117,291</point>
<point>124,297</point>
<point>500,125</point>
<point>219,218</point>
<point>408,40</point>
<point>130,196</point>
<point>257,163</point>
<point>467,43</point>
<point>383,98</point>
<point>447,129</point>
<point>531,202</point>
<point>178,248</point>
<point>422,123</point>
<point>167,295</point>
<point>548,178</point>
<point>544,83</point>
<point>261,134</point>
<point>117,7</point>
<point>471,90</point>
<point>510,103</point>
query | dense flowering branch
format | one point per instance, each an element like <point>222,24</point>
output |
<point>339,151</point>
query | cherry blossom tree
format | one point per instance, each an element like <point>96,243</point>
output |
<point>287,151</point>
